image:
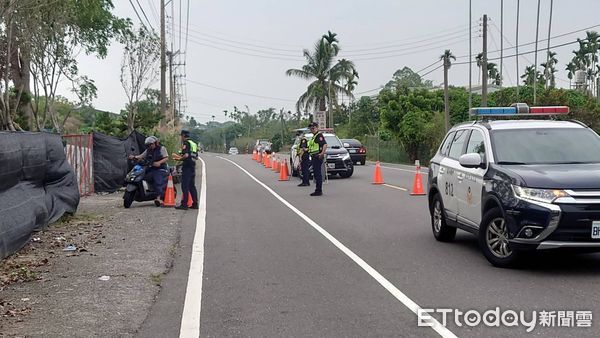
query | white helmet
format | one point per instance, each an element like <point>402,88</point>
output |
<point>150,140</point>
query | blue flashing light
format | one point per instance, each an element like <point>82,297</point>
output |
<point>487,111</point>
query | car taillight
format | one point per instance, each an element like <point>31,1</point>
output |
<point>362,150</point>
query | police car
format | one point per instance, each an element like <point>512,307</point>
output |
<point>519,185</point>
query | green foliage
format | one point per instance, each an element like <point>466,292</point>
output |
<point>406,77</point>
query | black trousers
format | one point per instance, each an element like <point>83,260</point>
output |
<point>305,167</point>
<point>317,162</point>
<point>188,185</point>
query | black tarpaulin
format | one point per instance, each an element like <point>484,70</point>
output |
<point>37,186</point>
<point>110,159</point>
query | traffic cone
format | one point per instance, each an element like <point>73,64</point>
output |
<point>253,155</point>
<point>377,178</point>
<point>264,160</point>
<point>283,173</point>
<point>190,202</point>
<point>418,182</point>
<point>275,166</point>
<point>268,164</point>
<point>170,194</point>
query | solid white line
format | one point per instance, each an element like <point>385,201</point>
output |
<point>409,303</point>
<point>394,187</point>
<point>190,320</point>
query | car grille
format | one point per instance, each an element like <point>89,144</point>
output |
<point>576,223</point>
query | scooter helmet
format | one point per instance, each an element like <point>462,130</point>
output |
<point>150,140</point>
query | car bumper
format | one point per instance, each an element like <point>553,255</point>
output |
<point>564,226</point>
<point>358,157</point>
<point>337,165</point>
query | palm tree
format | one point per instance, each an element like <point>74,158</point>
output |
<point>529,76</point>
<point>493,74</point>
<point>325,73</point>
<point>550,69</point>
<point>593,40</point>
<point>446,59</point>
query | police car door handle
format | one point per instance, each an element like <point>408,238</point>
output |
<point>442,170</point>
<point>460,176</point>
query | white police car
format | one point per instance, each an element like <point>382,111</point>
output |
<point>518,185</point>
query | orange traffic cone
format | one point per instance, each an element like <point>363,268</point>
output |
<point>377,178</point>
<point>268,164</point>
<point>283,173</point>
<point>418,182</point>
<point>190,202</point>
<point>170,194</point>
<point>253,155</point>
<point>275,165</point>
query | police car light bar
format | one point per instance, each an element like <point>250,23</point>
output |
<point>519,109</point>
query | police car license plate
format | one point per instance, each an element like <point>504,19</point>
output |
<point>331,165</point>
<point>596,229</point>
<point>352,151</point>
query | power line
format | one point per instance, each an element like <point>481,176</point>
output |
<point>433,70</point>
<point>138,15</point>
<point>143,13</point>
<point>238,92</point>
<point>247,54</point>
<point>524,53</point>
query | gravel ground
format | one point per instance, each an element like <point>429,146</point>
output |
<point>45,291</point>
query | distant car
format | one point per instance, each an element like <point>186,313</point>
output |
<point>233,151</point>
<point>358,152</point>
<point>263,146</point>
<point>338,158</point>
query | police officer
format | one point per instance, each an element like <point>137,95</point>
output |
<point>316,148</point>
<point>188,155</point>
<point>304,158</point>
<point>157,156</point>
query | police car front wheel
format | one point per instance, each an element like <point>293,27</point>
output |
<point>441,231</point>
<point>494,241</point>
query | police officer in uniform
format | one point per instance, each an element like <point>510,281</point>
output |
<point>188,155</point>
<point>316,148</point>
<point>157,156</point>
<point>304,157</point>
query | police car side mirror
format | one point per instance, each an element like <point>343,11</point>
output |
<point>472,160</point>
<point>346,145</point>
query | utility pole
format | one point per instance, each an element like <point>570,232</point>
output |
<point>163,61</point>
<point>329,99</point>
<point>537,30</point>
<point>446,103</point>
<point>171,83</point>
<point>484,72</point>
<point>517,50</point>
<point>470,59</point>
<point>548,49</point>
<point>501,38</point>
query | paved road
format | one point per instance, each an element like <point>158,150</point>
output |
<point>276,263</point>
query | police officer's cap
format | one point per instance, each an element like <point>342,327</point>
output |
<point>313,124</point>
<point>149,140</point>
<point>185,133</point>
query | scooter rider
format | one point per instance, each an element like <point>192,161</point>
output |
<point>157,174</point>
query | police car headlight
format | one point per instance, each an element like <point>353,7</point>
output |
<point>346,157</point>
<point>540,195</point>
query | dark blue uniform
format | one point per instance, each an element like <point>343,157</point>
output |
<point>317,163</point>
<point>305,162</point>
<point>188,176</point>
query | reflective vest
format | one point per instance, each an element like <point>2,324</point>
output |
<point>194,149</point>
<point>313,147</point>
<point>299,148</point>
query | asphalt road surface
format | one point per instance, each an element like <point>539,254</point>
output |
<point>266,259</point>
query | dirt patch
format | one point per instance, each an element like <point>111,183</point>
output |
<point>95,273</point>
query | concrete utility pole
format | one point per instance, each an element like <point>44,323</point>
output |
<point>501,38</point>
<point>470,59</point>
<point>484,71</point>
<point>446,103</point>
<point>517,49</point>
<point>548,48</point>
<point>163,62</point>
<point>537,31</point>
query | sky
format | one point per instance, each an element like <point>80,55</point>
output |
<point>237,51</point>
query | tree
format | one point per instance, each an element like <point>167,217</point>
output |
<point>493,74</point>
<point>530,75</point>
<point>550,70</point>
<point>138,69</point>
<point>325,73</point>
<point>447,58</point>
<point>406,77</point>
<point>479,61</point>
<point>571,68</point>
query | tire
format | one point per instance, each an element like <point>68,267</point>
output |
<point>362,162</point>
<point>347,174</point>
<point>441,230</point>
<point>493,240</point>
<point>128,199</point>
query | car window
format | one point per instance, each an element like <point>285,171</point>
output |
<point>446,145</point>
<point>456,149</point>
<point>476,143</point>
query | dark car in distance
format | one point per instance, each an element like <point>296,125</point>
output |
<point>358,152</point>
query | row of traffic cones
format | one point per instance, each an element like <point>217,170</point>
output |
<point>272,162</point>
<point>417,188</point>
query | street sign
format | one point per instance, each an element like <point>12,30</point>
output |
<point>321,118</point>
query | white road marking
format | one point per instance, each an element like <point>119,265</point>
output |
<point>400,169</point>
<point>399,295</point>
<point>394,187</point>
<point>190,320</point>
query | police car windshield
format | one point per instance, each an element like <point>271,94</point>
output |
<point>546,146</point>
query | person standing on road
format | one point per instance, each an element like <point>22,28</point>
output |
<point>316,147</point>
<point>304,161</point>
<point>188,155</point>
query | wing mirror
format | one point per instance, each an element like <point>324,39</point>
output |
<point>346,145</point>
<point>472,160</point>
